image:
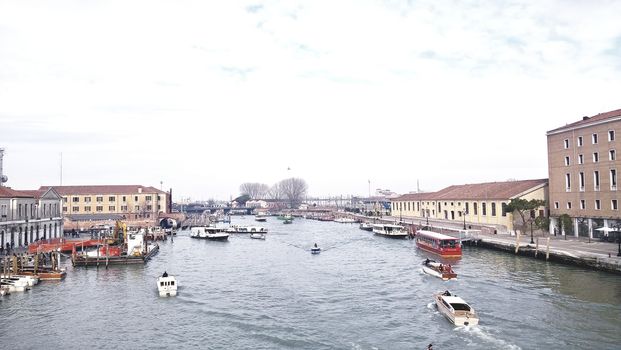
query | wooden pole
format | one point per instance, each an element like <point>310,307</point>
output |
<point>548,249</point>
<point>517,241</point>
<point>536,247</point>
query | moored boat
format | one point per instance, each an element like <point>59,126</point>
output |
<point>366,226</point>
<point>260,218</point>
<point>390,231</point>
<point>455,309</point>
<point>245,229</point>
<point>209,232</point>
<point>345,220</point>
<point>257,235</point>
<point>287,221</point>
<point>443,271</point>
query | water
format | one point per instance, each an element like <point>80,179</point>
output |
<point>361,292</point>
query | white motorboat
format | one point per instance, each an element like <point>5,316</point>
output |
<point>30,280</point>
<point>390,230</point>
<point>209,232</point>
<point>167,285</point>
<point>366,226</point>
<point>315,249</point>
<point>257,235</point>
<point>345,220</point>
<point>443,271</point>
<point>260,218</point>
<point>14,285</point>
<point>455,309</point>
<point>245,229</point>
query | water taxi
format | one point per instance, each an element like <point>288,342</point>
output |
<point>390,231</point>
<point>436,269</point>
<point>455,309</point>
<point>260,218</point>
<point>437,243</point>
<point>167,285</point>
<point>366,226</point>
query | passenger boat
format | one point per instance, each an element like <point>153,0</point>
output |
<point>390,230</point>
<point>366,226</point>
<point>245,229</point>
<point>260,218</point>
<point>257,235</point>
<point>285,217</point>
<point>345,220</point>
<point>437,243</point>
<point>209,232</point>
<point>443,271</point>
<point>167,285</point>
<point>455,309</point>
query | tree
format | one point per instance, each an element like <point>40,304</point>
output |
<point>294,190</point>
<point>274,192</point>
<point>241,200</point>
<point>565,224</point>
<point>542,223</point>
<point>254,189</point>
<point>522,207</point>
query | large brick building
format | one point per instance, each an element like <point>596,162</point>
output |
<point>583,168</point>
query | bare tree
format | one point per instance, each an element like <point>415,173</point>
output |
<point>274,192</point>
<point>254,189</point>
<point>294,190</point>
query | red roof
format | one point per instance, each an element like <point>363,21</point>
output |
<point>588,120</point>
<point>34,193</point>
<point>489,190</point>
<point>102,189</point>
<point>7,192</point>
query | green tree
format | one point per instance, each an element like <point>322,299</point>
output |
<point>565,224</point>
<point>523,207</point>
<point>542,223</point>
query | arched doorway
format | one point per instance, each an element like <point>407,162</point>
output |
<point>44,232</point>
<point>37,228</point>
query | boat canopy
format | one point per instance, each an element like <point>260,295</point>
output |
<point>434,235</point>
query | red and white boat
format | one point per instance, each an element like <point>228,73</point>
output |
<point>437,243</point>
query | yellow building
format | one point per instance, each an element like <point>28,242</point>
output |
<point>472,204</point>
<point>130,201</point>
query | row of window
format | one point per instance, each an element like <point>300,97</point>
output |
<point>111,208</point>
<point>27,211</point>
<point>612,155</point>
<point>406,206</point>
<point>110,199</point>
<point>614,205</point>
<point>581,181</point>
<point>594,139</point>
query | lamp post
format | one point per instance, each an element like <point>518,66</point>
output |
<point>532,241</point>
<point>617,226</point>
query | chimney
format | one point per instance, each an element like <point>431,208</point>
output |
<point>585,118</point>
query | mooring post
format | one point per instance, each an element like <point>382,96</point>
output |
<point>517,241</point>
<point>536,247</point>
<point>548,249</point>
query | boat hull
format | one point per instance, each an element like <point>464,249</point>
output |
<point>442,275</point>
<point>446,253</point>
<point>395,236</point>
<point>459,319</point>
<point>83,260</point>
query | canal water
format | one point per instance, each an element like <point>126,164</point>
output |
<point>362,292</point>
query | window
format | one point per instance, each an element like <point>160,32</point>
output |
<point>475,207</point>
<point>111,208</point>
<point>566,143</point>
<point>611,135</point>
<point>595,157</point>
<point>149,198</point>
<point>504,209</point>
<point>567,183</point>
<point>75,199</point>
<point>580,159</point>
<point>64,199</point>
<point>111,199</point>
<point>136,207</point>
<point>87,209</point>
<point>612,155</point>
<point>135,198</point>
<point>124,199</point>
<point>64,209</point>
<point>149,208</point>
<point>99,208</point>
<point>556,206</point>
<point>614,205</point>
<point>596,180</point>
<point>568,205</point>
<point>566,160</point>
<point>123,208</point>
<point>582,204</point>
<point>87,199</point>
<point>613,179</point>
<point>483,208</point>
<point>493,209</point>
<point>594,139</point>
<point>158,197</point>
<point>467,207</point>
<point>579,141</point>
<point>75,209</point>
<point>581,181</point>
<point>597,205</point>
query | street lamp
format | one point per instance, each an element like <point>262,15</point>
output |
<point>532,241</point>
<point>617,226</point>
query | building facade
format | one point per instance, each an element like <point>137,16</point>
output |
<point>27,216</point>
<point>130,201</point>
<point>583,168</point>
<point>481,204</point>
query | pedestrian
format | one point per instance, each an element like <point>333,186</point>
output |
<point>430,347</point>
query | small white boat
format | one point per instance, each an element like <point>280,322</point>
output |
<point>257,235</point>
<point>260,218</point>
<point>209,232</point>
<point>30,280</point>
<point>366,226</point>
<point>315,249</point>
<point>390,231</point>
<point>436,269</point>
<point>245,229</point>
<point>345,220</point>
<point>455,309</point>
<point>167,285</point>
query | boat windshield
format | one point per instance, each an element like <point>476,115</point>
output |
<point>448,244</point>
<point>460,307</point>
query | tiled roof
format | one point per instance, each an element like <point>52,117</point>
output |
<point>489,190</point>
<point>7,192</point>
<point>102,189</point>
<point>34,193</point>
<point>589,120</point>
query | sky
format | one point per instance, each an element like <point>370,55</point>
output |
<point>202,96</point>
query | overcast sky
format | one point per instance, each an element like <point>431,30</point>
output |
<point>206,95</point>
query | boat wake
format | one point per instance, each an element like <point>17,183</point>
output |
<point>431,306</point>
<point>482,334</point>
